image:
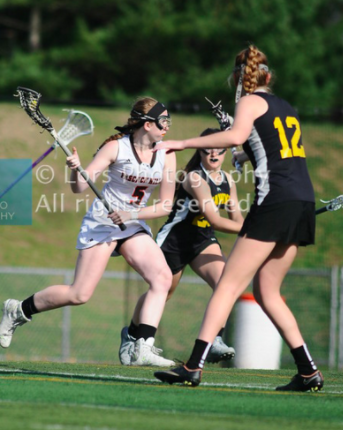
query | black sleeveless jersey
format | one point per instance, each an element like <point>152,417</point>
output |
<point>276,152</point>
<point>186,227</point>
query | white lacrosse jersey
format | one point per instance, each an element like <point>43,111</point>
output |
<point>129,186</point>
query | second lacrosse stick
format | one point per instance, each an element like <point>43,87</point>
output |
<point>331,205</point>
<point>225,122</point>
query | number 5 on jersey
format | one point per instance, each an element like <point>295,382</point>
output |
<point>139,193</point>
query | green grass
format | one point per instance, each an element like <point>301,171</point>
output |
<point>49,396</point>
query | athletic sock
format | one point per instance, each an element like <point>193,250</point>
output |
<point>145,331</point>
<point>28,307</point>
<point>133,329</point>
<point>221,332</point>
<point>303,360</point>
<point>199,354</point>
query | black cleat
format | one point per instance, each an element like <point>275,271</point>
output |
<point>304,383</point>
<point>180,375</point>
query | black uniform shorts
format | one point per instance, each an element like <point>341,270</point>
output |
<point>287,222</point>
<point>178,260</point>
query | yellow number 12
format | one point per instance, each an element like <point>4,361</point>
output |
<point>287,150</point>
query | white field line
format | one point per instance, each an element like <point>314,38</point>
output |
<point>328,389</point>
<point>129,378</point>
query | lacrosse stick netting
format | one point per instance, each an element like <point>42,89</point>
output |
<point>76,125</point>
<point>30,102</point>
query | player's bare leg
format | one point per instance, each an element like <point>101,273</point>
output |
<point>236,277</point>
<point>267,286</point>
<point>209,265</point>
<point>90,266</point>
<point>145,256</point>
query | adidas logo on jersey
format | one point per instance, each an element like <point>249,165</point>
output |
<point>128,161</point>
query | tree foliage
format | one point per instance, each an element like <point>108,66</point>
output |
<point>176,50</point>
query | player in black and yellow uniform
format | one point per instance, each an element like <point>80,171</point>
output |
<point>188,236</point>
<point>281,219</point>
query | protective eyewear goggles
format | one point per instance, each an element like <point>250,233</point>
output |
<point>217,151</point>
<point>154,115</point>
<point>163,121</point>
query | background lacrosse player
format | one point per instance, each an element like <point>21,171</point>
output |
<point>188,236</point>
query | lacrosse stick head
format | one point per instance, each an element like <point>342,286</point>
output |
<point>217,109</point>
<point>77,124</point>
<point>224,119</point>
<point>335,204</point>
<point>30,101</point>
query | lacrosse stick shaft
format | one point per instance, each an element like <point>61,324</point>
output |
<point>85,176</point>
<point>321,210</point>
<point>34,164</point>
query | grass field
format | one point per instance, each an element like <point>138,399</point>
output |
<point>47,396</point>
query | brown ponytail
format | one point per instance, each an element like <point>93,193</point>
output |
<point>254,76</point>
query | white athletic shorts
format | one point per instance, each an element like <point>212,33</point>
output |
<point>93,232</point>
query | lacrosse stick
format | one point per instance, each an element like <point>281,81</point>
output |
<point>30,101</point>
<point>331,205</point>
<point>225,122</point>
<point>77,124</point>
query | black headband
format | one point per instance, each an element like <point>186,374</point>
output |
<point>156,110</point>
<point>152,115</point>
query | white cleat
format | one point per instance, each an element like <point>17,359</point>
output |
<point>12,317</point>
<point>220,351</point>
<point>126,347</point>
<point>145,354</point>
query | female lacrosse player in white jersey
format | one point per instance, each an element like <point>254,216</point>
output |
<point>281,219</point>
<point>133,173</point>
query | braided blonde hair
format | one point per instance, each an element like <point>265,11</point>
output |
<point>142,105</point>
<point>254,76</point>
